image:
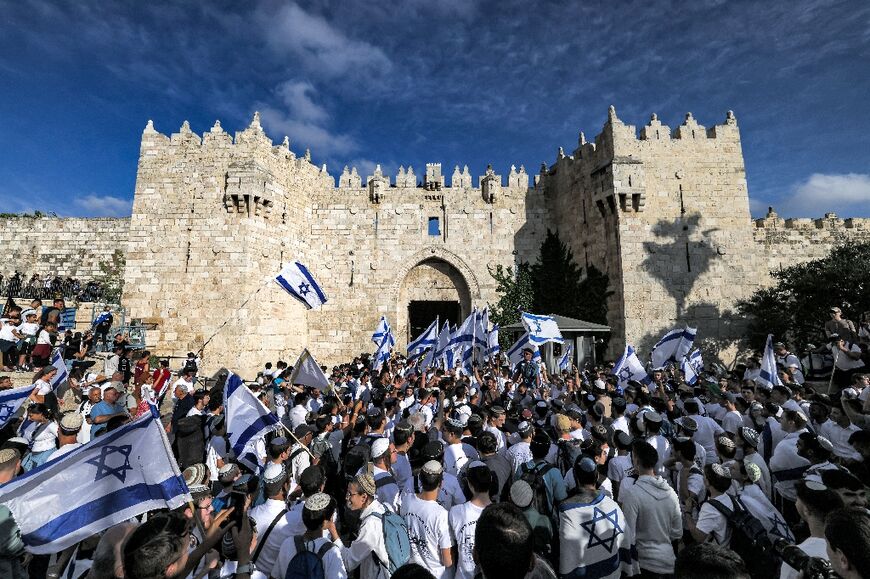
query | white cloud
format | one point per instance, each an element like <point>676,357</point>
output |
<point>104,205</point>
<point>847,195</point>
<point>296,96</point>
<point>322,48</point>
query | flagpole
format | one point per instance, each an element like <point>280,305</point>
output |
<point>227,321</point>
<point>293,436</point>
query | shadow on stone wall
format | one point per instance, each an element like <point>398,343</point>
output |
<point>685,254</point>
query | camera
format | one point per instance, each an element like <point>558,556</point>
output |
<point>812,567</point>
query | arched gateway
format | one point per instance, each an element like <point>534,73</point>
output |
<point>435,285</point>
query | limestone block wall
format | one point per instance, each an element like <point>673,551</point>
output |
<point>68,247</point>
<point>785,242</point>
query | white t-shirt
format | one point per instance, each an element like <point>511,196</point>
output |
<point>29,329</point>
<point>814,547</point>
<point>42,387</point>
<point>732,422</point>
<point>714,523</point>
<point>518,455</point>
<point>6,333</point>
<point>429,531</point>
<point>217,449</point>
<point>463,522</point>
<point>44,337</point>
<point>333,566</point>
<point>708,430</point>
<point>263,515</point>
<point>617,467</point>
<point>45,440</point>
<point>457,456</point>
<point>844,362</point>
<point>450,493</point>
<point>839,437</point>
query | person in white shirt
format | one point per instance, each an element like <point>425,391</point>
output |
<point>706,432</point>
<point>747,439</point>
<point>368,552</point>
<point>200,401</point>
<point>617,411</point>
<point>494,425</point>
<point>428,526</point>
<point>814,502</point>
<point>520,453</point>
<point>299,458</point>
<point>712,525</point>
<point>838,430</point>
<point>184,381</point>
<point>463,518</point>
<point>383,453</point>
<point>270,519</point>
<point>457,453</point>
<point>786,465</point>
<point>297,414</point>
<point>787,360</point>
<point>40,431</point>
<point>317,513</point>
<point>732,421</point>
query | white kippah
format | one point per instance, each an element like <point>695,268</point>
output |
<point>380,446</point>
<point>317,502</point>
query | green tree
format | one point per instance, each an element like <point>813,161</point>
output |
<point>593,294</point>
<point>557,279</point>
<point>112,277</point>
<point>795,308</point>
<point>516,293</point>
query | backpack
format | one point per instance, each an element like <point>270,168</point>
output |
<point>356,458</point>
<point>534,475</point>
<point>396,540</point>
<point>307,564</point>
<point>750,540</point>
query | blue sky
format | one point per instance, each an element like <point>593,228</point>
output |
<point>450,81</point>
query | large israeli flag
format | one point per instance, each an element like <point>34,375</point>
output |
<point>541,329</point>
<point>109,480</point>
<point>428,339</point>
<point>692,366</point>
<point>382,329</point>
<point>62,373</point>
<point>247,418</point>
<point>435,357</point>
<point>11,401</point>
<point>299,283</point>
<point>768,377</point>
<point>672,346</point>
<point>382,354</point>
<point>628,367</point>
<point>567,358</point>
<point>515,352</point>
<point>493,348</point>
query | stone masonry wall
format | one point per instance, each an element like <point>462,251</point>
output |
<point>62,246</point>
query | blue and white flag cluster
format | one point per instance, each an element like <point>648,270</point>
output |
<point>62,373</point>
<point>247,418</point>
<point>692,366</point>
<point>383,328</point>
<point>428,339</point>
<point>11,401</point>
<point>673,346</point>
<point>768,377</point>
<point>541,329</point>
<point>299,283</point>
<point>493,348</point>
<point>109,480</point>
<point>628,367</point>
<point>515,353</point>
<point>567,358</point>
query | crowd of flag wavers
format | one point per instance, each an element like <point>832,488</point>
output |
<point>452,459</point>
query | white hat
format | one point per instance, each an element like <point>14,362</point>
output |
<point>380,447</point>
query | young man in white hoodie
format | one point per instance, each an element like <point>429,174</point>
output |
<point>652,509</point>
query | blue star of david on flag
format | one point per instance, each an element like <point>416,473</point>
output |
<point>105,466</point>
<point>594,539</point>
<point>304,288</point>
<point>779,528</point>
<point>6,411</point>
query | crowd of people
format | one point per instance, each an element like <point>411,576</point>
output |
<point>509,472</point>
<point>39,287</point>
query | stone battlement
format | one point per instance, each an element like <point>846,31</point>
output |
<point>830,221</point>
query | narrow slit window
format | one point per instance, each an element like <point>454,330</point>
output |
<point>434,227</point>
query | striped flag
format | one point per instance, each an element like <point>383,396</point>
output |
<point>247,418</point>
<point>299,283</point>
<point>628,367</point>
<point>769,377</point>
<point>11,401</point>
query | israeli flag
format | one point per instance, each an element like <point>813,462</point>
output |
<point>299,283</point>
<point>381,330</point>
<point>62,373</point>
<point>426,340</point>
<point>628,367</point>
<point>109,480</point>
<point>672,346</point>
<point>567,358</point>
<point>481,329</point>
<point>768,377</point>
<point>100,319</point>
<point>247,418</point>
<point>515,353</point>
<point>692,366</point>
<point>493,348</point>
<point>541,329</point>
<point>11,401</point>
<point>382,354</point>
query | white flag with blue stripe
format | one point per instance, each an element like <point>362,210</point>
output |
<point>435,357</point>
<point>628,367</point>
<point>692,366</point>
<point>672,346</point>
<point>567,358</point>
<point>382,354</point>
<point>299,283</point>
<point>62,373</point>
<point>541,329</point>
<point>109,480</point>
<point>768,377</point>
<point>382,329</point>
<point>428,339</point>
<point>493,348</point>
<point>515,352</point>
<point>247,418</point>
<point>11,401</point>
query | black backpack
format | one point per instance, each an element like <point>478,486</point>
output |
<point>750,540</point>
<point>534,475</point>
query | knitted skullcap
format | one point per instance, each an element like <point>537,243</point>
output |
<point>274,472</point>
<point>749,436</point>
<point>725,442</point>
<point>8,455</point>
<point>366,483</point>
<point>521,494</point>
<point>380,447</point>
<point>317,502</point>
<point>563,423</point>
<point>753,472</point>
<point>71,422</point>
<point>194,475</point>
<point>433,467</point>
<point>721,470</point>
